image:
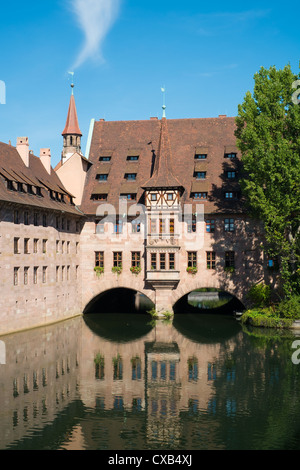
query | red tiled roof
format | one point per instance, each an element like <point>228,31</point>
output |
<point>72,126</point>
<point>186,137</point>
<point>12,168</point>
<point>163,176</point>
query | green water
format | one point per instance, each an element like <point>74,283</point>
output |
<point>120,382</point>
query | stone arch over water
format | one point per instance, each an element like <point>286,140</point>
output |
<point>120,300</point>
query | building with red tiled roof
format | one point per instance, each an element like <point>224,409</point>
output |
<point>154,207</point>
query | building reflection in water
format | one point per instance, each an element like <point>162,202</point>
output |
<point>137,391</point>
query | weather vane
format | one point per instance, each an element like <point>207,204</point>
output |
<point>163,89</point>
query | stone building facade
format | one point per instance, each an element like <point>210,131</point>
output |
<point>155,206</point>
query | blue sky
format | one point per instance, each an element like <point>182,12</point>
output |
<point>205,54</point>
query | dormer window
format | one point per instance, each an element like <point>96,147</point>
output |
<point>199,195</point>
<point>200,156</point>
<point>230,155</point>
<point>104,159</point>
<point>231,175</point>
<point>129,197</point>
<point>130,176</point>
<point>200,175</point>
<point>102,177</point>
<point>133,158</point>
<point>231,195</point>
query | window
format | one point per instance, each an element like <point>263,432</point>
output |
<point>62,247</point>
<point>104,159</point>
<point>26,270</point>
<point>44,274</point>
<point>162,226</point>
<point>229,225</point>
<point>162,261</point>
<point>68,273</point>
<point>200,175</point>
<point>192,259</point>
<point>199,195</point>
<point>99,259</point>
<point>118,259</point>
<point>26,218</point>
<point>57,222</point>
<point>231,175</point>
<point>118,227</point>
<point>45,246</point>
<point>135,259</point>
<point>171,261</point>
<point>16,217</point>
<point>232,195</point>
<point>35,275</point>
<point>210,226</point>
<point>45,222</point>
<point>26,246</point>
<point>153,226</point>
<point>16,276</point>
<point>153,261</point>
<point>99,197</point>
<point>63,273</point>
<point>172,226</point>
<point>200,156</point>
<point>211,260</point>
<point>102,177</point>
<point>129,197</point>
<point>170,197</point>
<point>229,259</point>
<point>132,158</point>
<point>35,219</point>
<point>57,273</point>
<point>130,176</point>
<point>230,155</point>
<point>16,245</point>
<point>35,245</point>
<point>192,224</point>
<point>136,226</point>
<point>153,197</point>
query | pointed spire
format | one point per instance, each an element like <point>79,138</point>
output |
<point>72,126</point>
<point>162,174</point>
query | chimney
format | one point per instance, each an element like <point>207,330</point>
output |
<point>23,149</point>
<point>154,119</point>
<point>222,116</point>
<point>45,156</point>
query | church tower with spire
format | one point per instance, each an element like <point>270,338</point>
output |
<point>71,133</point>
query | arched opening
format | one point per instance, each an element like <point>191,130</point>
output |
<point>208,300</point>
<point>119,300</point>
<point>104,315</point>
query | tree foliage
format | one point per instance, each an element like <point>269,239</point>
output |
<point>268,135</point>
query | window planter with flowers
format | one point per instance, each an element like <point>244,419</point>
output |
<point>136,269</point>
<point>117,269</point>
<point>99,270</point>
<point>191,270</point>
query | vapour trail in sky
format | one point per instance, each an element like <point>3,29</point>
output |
<point>95,18</point>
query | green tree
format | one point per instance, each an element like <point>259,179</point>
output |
<point>268,135</point>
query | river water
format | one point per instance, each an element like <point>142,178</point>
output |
<point>122,382</point>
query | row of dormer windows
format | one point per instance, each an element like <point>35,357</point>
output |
<point>198,156</point>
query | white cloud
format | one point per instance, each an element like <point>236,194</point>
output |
<point>95,18</point>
